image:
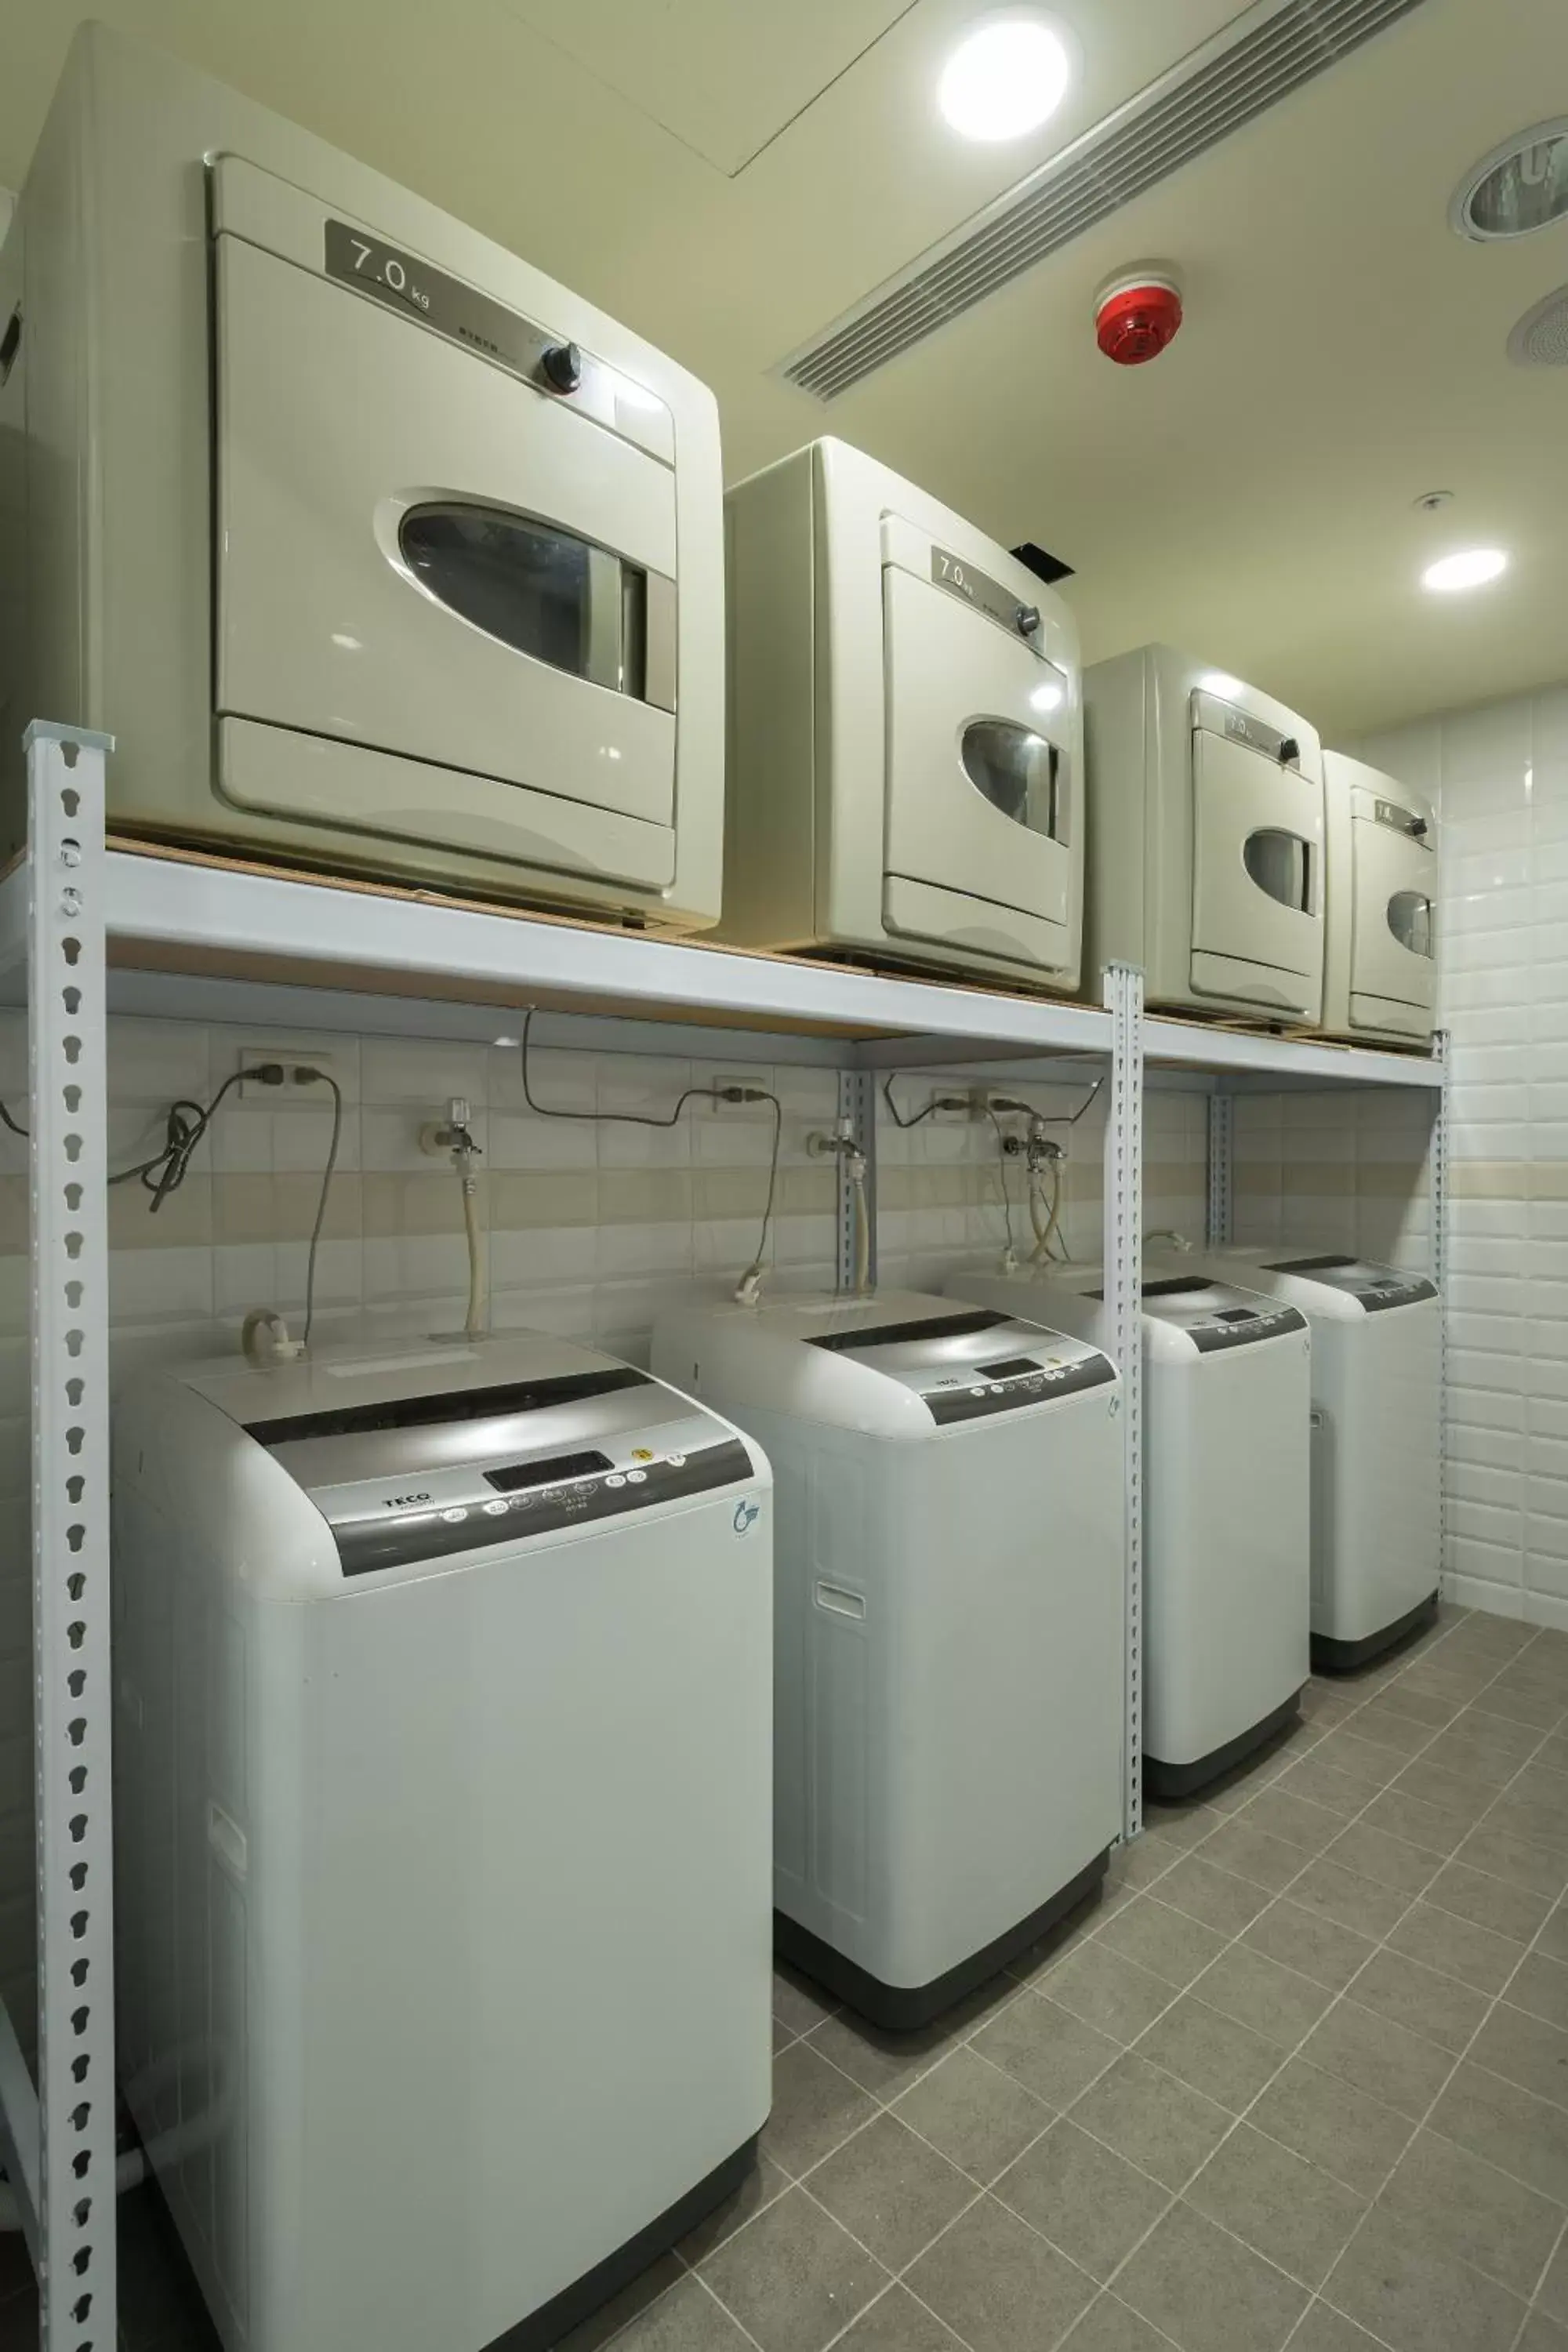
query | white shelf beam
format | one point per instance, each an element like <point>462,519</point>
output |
<point>1242,1057</point>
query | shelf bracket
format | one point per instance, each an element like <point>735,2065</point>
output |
<point>857,1123</point>
<point>1221,1150</point>
<point>72,2180</point>
<point>1123,1290</point>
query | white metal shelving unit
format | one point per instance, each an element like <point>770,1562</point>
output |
<point>160,934</point>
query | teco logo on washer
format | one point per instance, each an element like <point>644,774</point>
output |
<point>403,1502</point>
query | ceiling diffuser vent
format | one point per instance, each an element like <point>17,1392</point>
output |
<point>1270,50</point>
<point>1541,338</point>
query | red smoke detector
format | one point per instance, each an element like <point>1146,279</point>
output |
<point>1136,315</point>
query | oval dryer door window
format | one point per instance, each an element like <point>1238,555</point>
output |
<point>1410,920</point>
<point>1278,863</point>
<point>1017,770</point>
<point>538,589</point>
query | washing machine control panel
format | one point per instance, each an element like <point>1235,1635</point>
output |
<point>1215,1315</point>
<point>482,1467</point>
<point>973,1364</point>
<point>1378,1288</point>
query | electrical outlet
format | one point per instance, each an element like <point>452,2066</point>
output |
<point>957,1116</point>
<point>733,1109</point>
<point>292,1058</point>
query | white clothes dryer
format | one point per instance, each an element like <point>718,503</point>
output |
<point>1379,945</point>
<point>1227,1406</point>
<point>1377,1345</point>
<point>443,1681</point>
<point>906,737</point>
<point>949,1639</point>
<point>1206,840</point>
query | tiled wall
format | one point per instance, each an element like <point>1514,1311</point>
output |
<point>589,1228</point>
<point>1499,775</point>
<point>1341,1171</point>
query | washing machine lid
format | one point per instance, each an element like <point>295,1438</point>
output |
<point>1377,1287</point>
<point>1216,1315</point>
<point>972,1364</point>
<point>407,1464</point>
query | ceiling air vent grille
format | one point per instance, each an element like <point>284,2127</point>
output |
<point>1270,50</point>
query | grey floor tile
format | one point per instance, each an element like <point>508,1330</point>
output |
<point>1400,1699</point>
<point>1464,2207</point>
<point>1139,1863</point>
<point>685,2319</point>
<point>1402,2070</point>
<point>1383,1721</point>
<point>979,2118</point>
<point>1410,1994</point>
<point>760,2186</point>
<point>1181,1825</point>
<point>1458,1794</point>
<point>1269,1862</point>
<point>1047,2048</point>
<point>1503,1855</point>
<point>1304,1940</point>
<point>1509,2127</point>
<point>1217,1897</point>
<point>1108,1992</point>
<point>1207,2292</point>
<point>1523,1700</point>
<point>1472,1894</point>
<point>1525,2050</point>
<point>1348,1751</point>
<point>782,2036</point>
<point>1327,1784</point>
<point>1539,1984</point>
<point>891,2190</point>
<point>1552,1939</point>
<point>1274,1999</point>
<point>1457,1946</point>
<point>1327,2330</point>
<point>1295,1819</point>
<point>999,2286</point>
<point>1554,1752</point>
<point>1166,1942</point>
<point>1552,2293</point>
<point>814,2108</point>
<point>1282,2207</point>
<point>1543,2335</point>
<point>611,2318</point>
<point>1489,1759</point>
<point>1391,1862</point>
<point>799,2005</point>
<point>1158,2123</point>
<point>1344,1896</point>
<point>1527,1739</point>
<point>1227,2061</point>
<point>1405,1815</point>
<point>792,2278</point>
<point>886,2064</point>
<point>1329,2122</point>
<point>897,2323</point>
<point>1391,2284</point>
<point>1085,2199</point>
<point>1111,2326</point>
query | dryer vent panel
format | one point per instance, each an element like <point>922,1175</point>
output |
<point>1270,50</point>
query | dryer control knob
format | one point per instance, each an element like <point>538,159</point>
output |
<point>1028,619</point>
<point>1289,749</point>
<point>562,366</point>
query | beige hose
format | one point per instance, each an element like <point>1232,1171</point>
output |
<point>473,1323</point>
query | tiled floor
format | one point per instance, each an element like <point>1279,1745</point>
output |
<point>1300,2077</point>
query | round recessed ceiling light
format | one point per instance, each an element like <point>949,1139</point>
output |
<point>1007,77</point>
<point>1472,567</point>
<point>1519,187</point>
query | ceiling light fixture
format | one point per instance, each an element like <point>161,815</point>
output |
<point>1519,187</point>
<point>1006,76</point>
<point>1472,567</point>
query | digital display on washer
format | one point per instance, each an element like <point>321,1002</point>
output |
<point>517,1475</point>
<point>1009,1367</point>
<point>1236,1315</point>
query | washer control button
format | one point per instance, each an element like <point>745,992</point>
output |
<point>458,1512</point>
<point>615,1479</point>
<point>495,1509</point>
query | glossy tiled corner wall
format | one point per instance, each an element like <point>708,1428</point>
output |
<point>1499,775</point>
<point>589,1228</point>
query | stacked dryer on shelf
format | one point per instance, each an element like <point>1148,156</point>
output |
<point>1206,851</point>
<point>1226,1516</point>
<point>906,743</point>
<point>1379,968</point>
<point>1377,1342</point>
<point>949,1635</point>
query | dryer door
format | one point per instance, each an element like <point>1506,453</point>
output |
<point>422,554</point>
<point>982,788</point>
<point>1257,865</point>
<point>1393,948</point>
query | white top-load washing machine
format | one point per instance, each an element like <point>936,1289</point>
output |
<point>375,548</point>
<point>1380,946</point>
<point>1377,1342</point>
<point>906,761</point>
<point>1206,840</point>
<point>1226,1568</point>
<point>443,1691</point>
<point>949,1636</point>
